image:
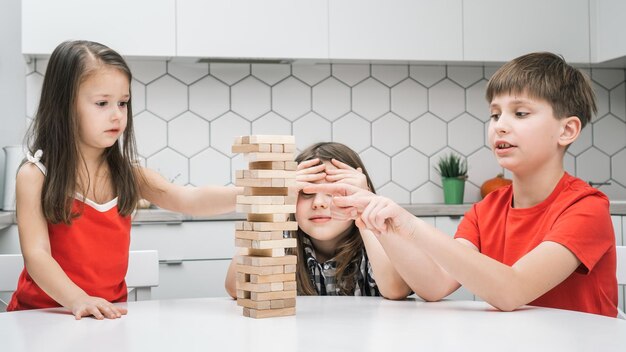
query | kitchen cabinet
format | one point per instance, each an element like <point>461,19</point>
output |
<point>396,30</point>
<point>252,29</point>
<point>193,256</point>
<point>495,30</point>
<point>607,29</point>
<point>132,28</point>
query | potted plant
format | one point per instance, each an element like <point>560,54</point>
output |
<point>453,171</point>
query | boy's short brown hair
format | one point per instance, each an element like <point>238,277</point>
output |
<point>546,76</point>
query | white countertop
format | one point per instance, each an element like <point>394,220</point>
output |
<point>320,324</point>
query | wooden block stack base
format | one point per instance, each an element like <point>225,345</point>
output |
<point>266,277</point>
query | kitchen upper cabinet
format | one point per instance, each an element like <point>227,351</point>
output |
<point>396,29</point>
<point>607,29</point>
<point>496,30</point>
<point>132,28</point>
<point>252,29</point>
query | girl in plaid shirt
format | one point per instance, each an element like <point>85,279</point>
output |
<point>335,257</point>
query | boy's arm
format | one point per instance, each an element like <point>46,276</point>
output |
<point>205,200</point>
<point>388,280</point>
<point>35,246</point>
<point>505,287</point>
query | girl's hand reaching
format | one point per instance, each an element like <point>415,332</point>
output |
<point>344,173</point>
<point>100,308</point>
<point>309,172</point>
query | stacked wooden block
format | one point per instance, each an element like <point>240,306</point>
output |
<point>266,277</point>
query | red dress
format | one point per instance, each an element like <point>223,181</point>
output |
<point>92,251</point>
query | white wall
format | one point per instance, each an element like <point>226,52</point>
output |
<point>12,83</point>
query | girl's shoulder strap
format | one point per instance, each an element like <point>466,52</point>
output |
<point>36,159</point>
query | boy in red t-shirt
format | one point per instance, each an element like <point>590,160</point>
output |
<point>546,240</point>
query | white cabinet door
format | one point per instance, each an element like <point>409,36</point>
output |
<point>607,29</point>
<point>396,29</point>
<point>501,30</point>
<point>191,279</point>
<point>193,240</point>
<point>133,28</point>
<point>252,28</point>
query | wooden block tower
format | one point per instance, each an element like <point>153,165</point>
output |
<point>266,277</point>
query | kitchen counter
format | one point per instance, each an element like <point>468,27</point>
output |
<point>164,216</point>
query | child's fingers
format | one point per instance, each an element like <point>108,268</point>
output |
<point>310,177</point>
<point>341,165</point>
<point>308,163</point>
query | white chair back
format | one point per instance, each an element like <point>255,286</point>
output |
<point>142,275</point>
<point>621,272</point>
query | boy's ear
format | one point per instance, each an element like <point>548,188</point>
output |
<point>570,130</point>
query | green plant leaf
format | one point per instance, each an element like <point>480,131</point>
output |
<point>452,165</point>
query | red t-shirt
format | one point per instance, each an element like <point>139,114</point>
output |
<point>576,216</point>
<point>92,251</point>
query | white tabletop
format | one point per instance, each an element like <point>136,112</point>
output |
<point>320,324</point>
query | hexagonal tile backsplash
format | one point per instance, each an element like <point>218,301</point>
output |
<point>400,118</point>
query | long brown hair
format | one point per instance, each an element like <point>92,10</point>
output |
<point>55,130</point>
<point>349,249</point>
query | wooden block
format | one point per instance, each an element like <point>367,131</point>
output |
<point>238,140</point>
<point>250,148</point>
<point>248,286</point>
<point>241,294</point>
<point>270,200</point>
<point>276,286</point>
<point>289,268</point>
<point>253,182</point>
<point>269,156</point>
<point>291,165</point>
<point>242,277</point>
<point>259,279</point>
<point>273,165</point>
<point>283,182</point>
<point>260,270</point>
<point>266,208</point>
<point>289,148</point>
<point>267,191</point>
<point>266,226</point>
<point>243,226</point>
<point>243,243</point>
<point>281,303</point>
<point>268,313</point>
<point>266,261</point>
<point>269,244</point>
<point>248,303</point>
<point>282,243</point>
<point>268,296</point>
<point>290,286</point>
<point>271,252</point>
<point>267,217</point>
<point>273,226</point>
<point>269,174</point>
<point>272,139</point>
<point>259,235</point>
<point>277,148</point>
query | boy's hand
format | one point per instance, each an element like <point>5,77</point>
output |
<point>344,173</point>
<point>308,172</point>
<point>100,308</point>
<point>375,213</point>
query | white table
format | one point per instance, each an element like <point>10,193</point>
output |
<point>321,324</point>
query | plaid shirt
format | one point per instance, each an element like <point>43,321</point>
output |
<point>323,274</point>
